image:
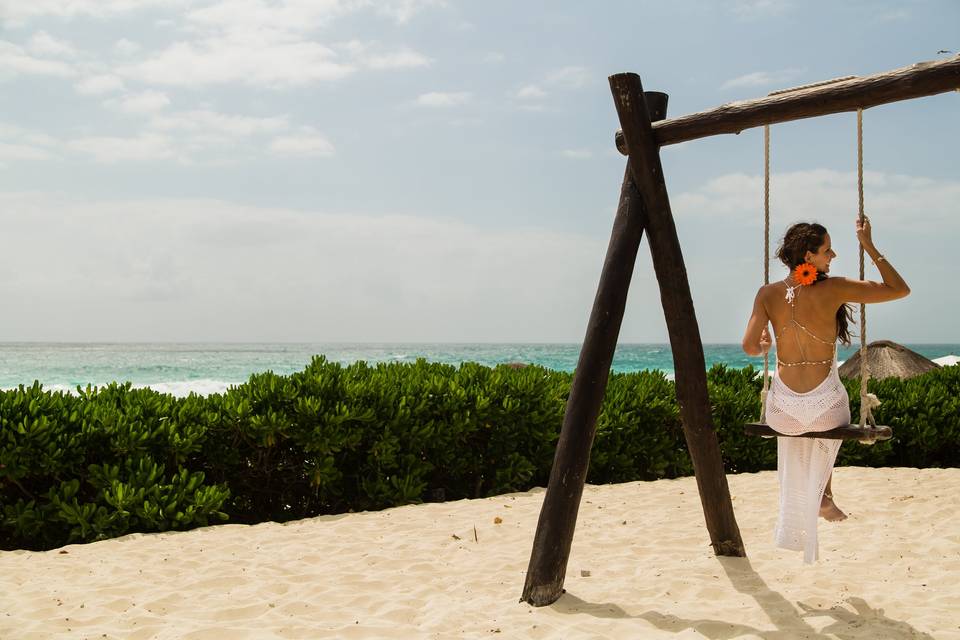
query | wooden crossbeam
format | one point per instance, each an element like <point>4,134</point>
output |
<point>916,81</point>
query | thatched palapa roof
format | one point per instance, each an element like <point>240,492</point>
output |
<point>888,359</point>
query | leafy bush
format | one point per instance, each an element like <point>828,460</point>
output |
<point>97,465</point>
<point>331,438</point>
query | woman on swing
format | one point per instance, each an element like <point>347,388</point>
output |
<point>809,313</point>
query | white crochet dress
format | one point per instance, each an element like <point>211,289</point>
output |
<point>804,464</point>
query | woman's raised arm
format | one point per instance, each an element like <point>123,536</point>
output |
<point>893,286</point>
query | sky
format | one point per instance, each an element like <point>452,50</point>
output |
<point>439,170</point>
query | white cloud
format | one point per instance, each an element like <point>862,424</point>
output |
<point>735,194</point>
<point>241,60</point>
<point>208,121</point>
<point>99,84</point>
<point>26,136</point>
<point>200,136</point>
<point>402,59</point>
<point>287,17</point>
<point>247,42</point>
<point>126,47</point>
<point>308,144</point>
<point>296,16</point>
<point>892,15</point>
<point>827,195</point>
<point>493,57</point>
<point>531,92</point>
<point>144,102</point>
<point>269,45</point>
<point>577,154</point>
<point>14,61</point>
<point>572,77</point>
<point>371,55</point>
<point>402,11</point>
<point>762,79</point>
<point>10,152</point>
<point>285,14</point>
<point>109,150</point>
<point>442,99</point>
<point>249,16</point>
<point>19,12</point>
<point>18,144</point>
<point>212,270</point>
<point>565,78</point>
<point>755,9</point>
<point>43,44</point>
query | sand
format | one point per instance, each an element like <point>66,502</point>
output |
<point>640,567</point>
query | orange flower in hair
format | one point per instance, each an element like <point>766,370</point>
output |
<point>805,273</point>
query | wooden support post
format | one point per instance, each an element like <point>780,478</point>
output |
<point>689,364</point>
<point>558,515</point>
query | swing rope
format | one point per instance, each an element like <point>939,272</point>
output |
<point>867,400</point>
<point>766,259</point>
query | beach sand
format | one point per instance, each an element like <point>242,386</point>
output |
<point>640,567</point>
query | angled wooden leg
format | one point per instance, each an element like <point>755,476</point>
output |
<point>689,364</point>
<point>558,515</point>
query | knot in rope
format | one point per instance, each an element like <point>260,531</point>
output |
<point>868,402</point>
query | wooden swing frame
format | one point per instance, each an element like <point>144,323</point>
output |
<point>644,206</point>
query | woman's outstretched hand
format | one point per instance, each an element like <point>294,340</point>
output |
<point>864,232</point>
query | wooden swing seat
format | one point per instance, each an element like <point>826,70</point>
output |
<point>846,432</point>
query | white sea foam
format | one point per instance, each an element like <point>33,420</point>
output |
<point>179,389</point>
<point>185,388</point>
<point>205,387</point>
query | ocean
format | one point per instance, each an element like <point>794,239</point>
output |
<point>181,368</point>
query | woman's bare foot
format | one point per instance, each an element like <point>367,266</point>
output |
<point>830,511</point>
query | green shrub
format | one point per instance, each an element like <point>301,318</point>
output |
<point>97,465</point>
<point>331,438</point>
<point>734,401</point>
<point>639,436</point>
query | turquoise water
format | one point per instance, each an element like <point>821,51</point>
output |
<point>210,368</point>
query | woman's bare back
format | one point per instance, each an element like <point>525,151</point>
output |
<point>805,332</point>
<point>813,337</point>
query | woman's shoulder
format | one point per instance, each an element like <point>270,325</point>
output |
<point>770,292</point>
<point>834,284</point>
<point>771,289</point>
<point>833,291</point>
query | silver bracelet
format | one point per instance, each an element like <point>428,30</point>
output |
<point>879,258</point>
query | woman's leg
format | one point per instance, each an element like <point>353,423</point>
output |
<point>829,510</point>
